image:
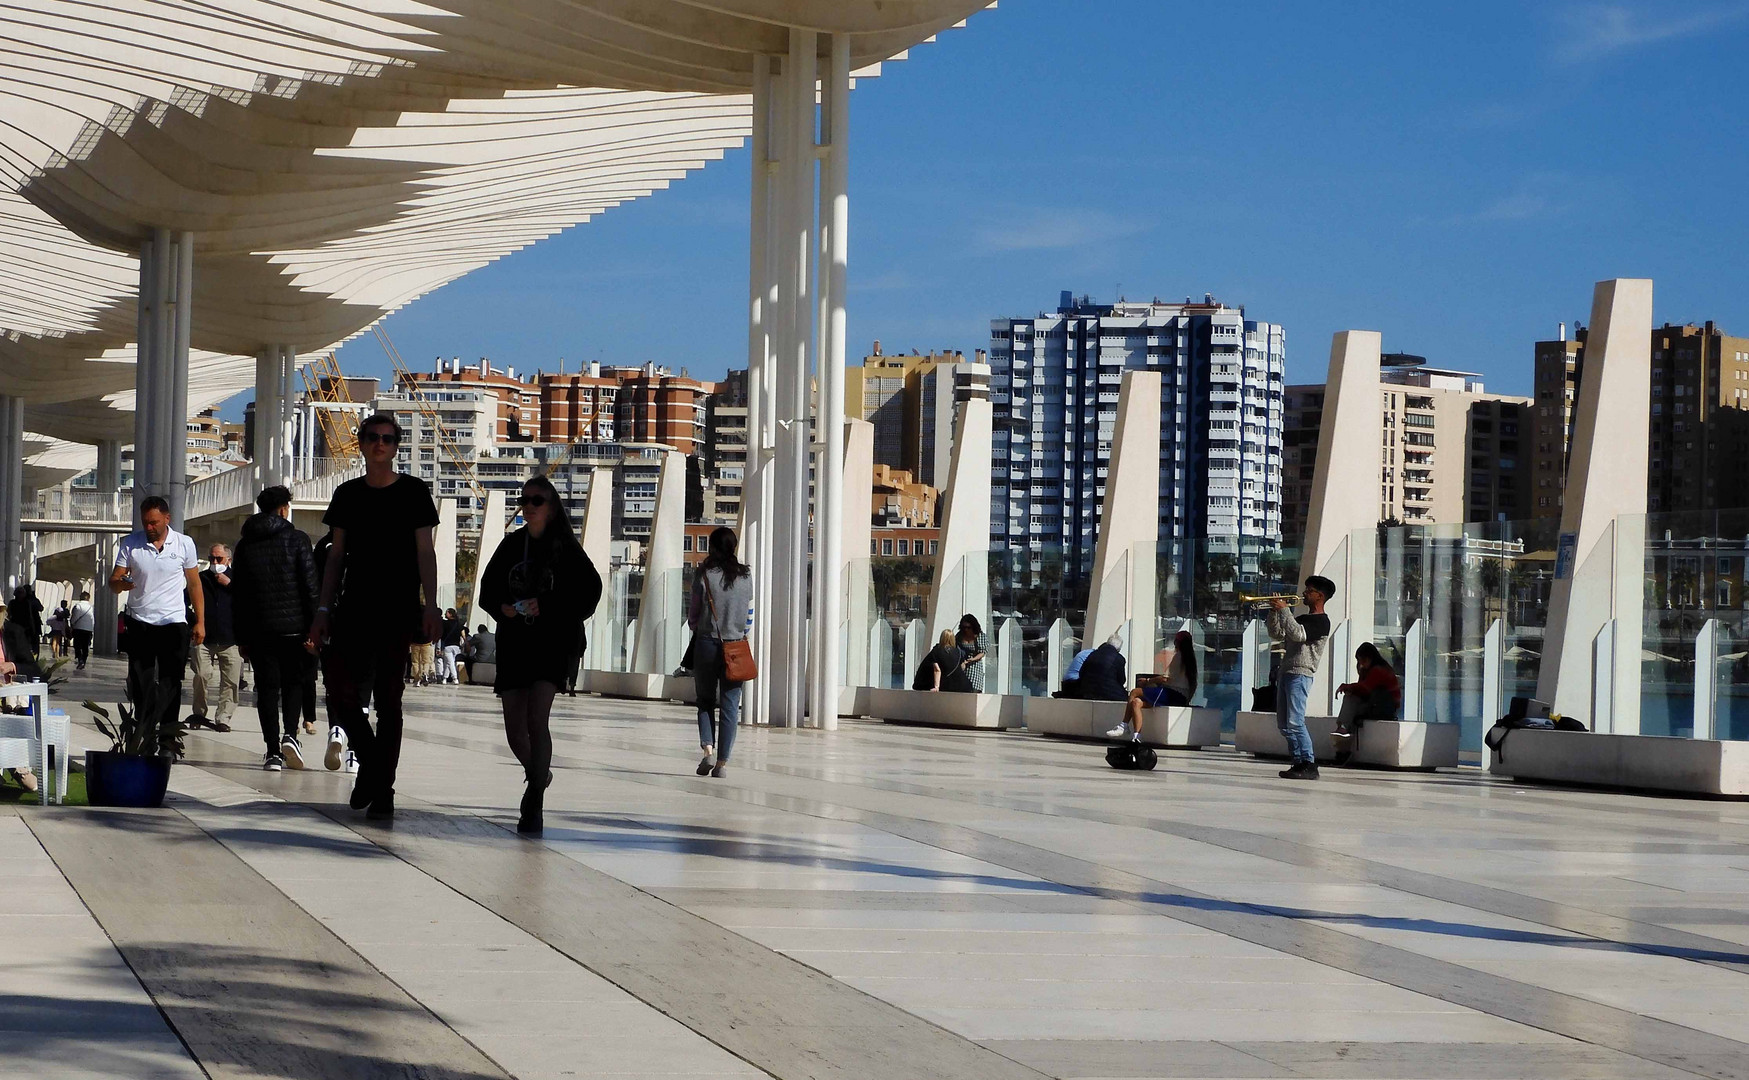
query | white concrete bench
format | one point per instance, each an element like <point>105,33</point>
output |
<point>1180,727</point>
<point>1639,762</point>
<point>943,710</point>
<point>482,674</point>
<point>1390,744</point>
<point>638,686</point>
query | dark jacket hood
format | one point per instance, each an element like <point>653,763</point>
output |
<point>263,525</point>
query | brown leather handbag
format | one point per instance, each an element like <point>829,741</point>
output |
<point>738,662</point>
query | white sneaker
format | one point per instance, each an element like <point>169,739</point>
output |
<point>336,744</point>
<point>351,762</point>
<point>1118,732</point>
<point>292,752</point>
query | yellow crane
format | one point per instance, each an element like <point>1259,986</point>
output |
<point>324,385</point>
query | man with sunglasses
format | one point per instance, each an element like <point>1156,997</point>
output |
<point>379,595</point>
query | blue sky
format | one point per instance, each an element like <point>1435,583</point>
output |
<point>1454,175</point>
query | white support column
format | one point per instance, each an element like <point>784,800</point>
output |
<point>146,366</point>
<point>597,541</point>
<point>1129,524</point>
<point>1599,570</point>
<point>105,605</point>
<point>756,505</point>
<point>266,451</point>
<point>660,640</point>
<point>12,569</point>
<point>1706,680</point>
<point>830,478</point>
<point>163,328</point>
<point>182,330</point>
<point>962,570</point>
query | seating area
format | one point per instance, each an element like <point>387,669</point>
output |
<point>1385,744</point>
<point>1652,763</point>
<point>638,686</point>
<point>1174,727</point>
<point>996,711</point>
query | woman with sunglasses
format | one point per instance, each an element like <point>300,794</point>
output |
<point>541,587</point>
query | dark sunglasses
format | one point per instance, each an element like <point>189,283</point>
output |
<point>532,500</point>
<point>387,437</point>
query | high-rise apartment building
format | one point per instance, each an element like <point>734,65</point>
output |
<point>578,408</point>
<point>725,449</point>
<point>1699,404</point>
<point>654,406</point>
<point>1445,438</point>
<point>941,393</point>
<point>1054,390</point>
<point>518,399</point>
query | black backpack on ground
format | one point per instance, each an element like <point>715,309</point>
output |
<point>1132,755</point>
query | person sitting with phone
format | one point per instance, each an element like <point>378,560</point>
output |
<point>1173,687</point>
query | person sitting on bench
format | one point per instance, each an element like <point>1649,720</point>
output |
<point>1377,695</point>
<point>1174,687</point>
<point>1102,675</point>
<point>942,669</point>
<point>1072,676</point>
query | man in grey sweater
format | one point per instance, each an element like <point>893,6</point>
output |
<point>1304,639</point>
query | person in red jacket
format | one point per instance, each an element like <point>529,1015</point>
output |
<point>1376,695</point>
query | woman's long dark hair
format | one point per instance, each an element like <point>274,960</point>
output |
<point>722,557</point>
<point>1370,653</point>
<point>976,629</point>
<point>559,522</point>
<point>1185,647</point>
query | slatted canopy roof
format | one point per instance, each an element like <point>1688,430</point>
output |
<point>337,159</point>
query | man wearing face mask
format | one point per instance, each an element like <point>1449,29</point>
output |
<point>218,654</point>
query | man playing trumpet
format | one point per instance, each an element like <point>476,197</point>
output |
<point>1303,640</point>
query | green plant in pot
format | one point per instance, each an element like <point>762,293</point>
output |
<point>135,771</point>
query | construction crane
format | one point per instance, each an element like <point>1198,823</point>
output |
<point>327,389</point>
<point>446,445</point>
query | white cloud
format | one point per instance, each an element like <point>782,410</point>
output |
<point>1592,31</point>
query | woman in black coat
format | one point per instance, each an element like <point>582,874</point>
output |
<point>943,669</point>
<point>541,587</point>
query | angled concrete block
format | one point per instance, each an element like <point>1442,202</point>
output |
<point>597,541</point>
<point>855,573</point>
<point>1603,520</point>
<point>962,570</point>
<point>661,609</point>
<point>1129,525</point>
<point>491,532</point>
<point>444,541</point>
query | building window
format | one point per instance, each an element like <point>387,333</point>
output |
<point>904,547</point>
<point>934,546</point>
<point>886,547</point>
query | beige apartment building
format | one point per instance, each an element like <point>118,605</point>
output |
<point>913,402</point>
<point>1432,420</point>
<point>1698,398</point>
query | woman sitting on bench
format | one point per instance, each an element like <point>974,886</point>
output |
<point>1175,686</point>
<point>1377,695</point>
<point>942,670</point>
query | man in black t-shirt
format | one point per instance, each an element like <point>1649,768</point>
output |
<point>379,595</point>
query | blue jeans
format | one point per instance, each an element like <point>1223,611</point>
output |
<point>1290,716</point>
<point>718,698</point>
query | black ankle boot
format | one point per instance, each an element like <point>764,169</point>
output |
<point>532,798</point>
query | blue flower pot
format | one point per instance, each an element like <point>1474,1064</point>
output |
<point>113,779</point>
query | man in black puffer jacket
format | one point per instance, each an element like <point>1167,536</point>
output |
<point>273,600</point>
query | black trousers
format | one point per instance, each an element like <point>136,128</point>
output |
<point>81,646</point>
<point>362,662</point>
<point>280,664</point>
<point>157,658</point>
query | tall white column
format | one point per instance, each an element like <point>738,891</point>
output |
<point>756,508</point>
<point>856,569</point>
<point>12,568</point>
<point>961,583</point>
<point>275,436</point>
<point>1600,572</point>
<point>829,482</point>
<point>1129,524</point>
<point>105,605</point>
<point>163,329</point>
<point>662,607</point>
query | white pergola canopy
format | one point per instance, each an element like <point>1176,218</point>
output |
<point>335,159</point>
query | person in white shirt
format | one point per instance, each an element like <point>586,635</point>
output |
<point>84,621</point>
<point>154,568</point>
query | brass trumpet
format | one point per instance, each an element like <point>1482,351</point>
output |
<point>1293,599</point>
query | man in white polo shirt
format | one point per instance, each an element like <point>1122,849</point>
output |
<point>154,568</point>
